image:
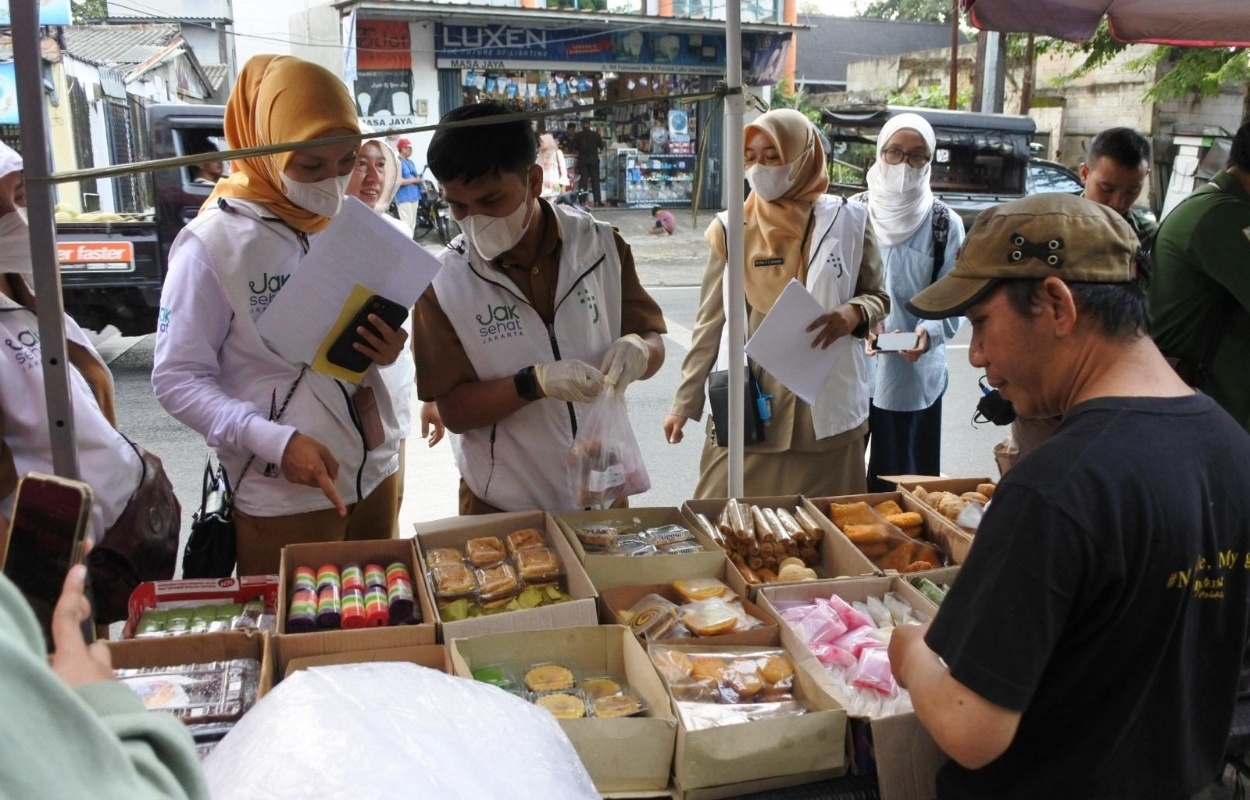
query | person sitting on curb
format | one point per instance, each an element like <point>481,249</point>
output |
<point>665,222</point>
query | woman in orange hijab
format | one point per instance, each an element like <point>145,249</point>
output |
<point>310,458</point>
<point>793,231</point>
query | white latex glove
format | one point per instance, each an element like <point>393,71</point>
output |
<point>573,381</point>
<point>625,362</point>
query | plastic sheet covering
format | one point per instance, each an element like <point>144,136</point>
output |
<point>394,730</point>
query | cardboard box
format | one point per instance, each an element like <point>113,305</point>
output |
<point>171,651</point>
<point>908,484</point>
<point>838,557</point>
<point>937,529</point>
<point>365,551</point>
<point>766,753</point>
<point>907,758</point>
<point>610,571</point>
<point>294,652</point>
<point>621,755</point>
<point>456,531</point>
<point>622,598</point>
<point>199,592</point>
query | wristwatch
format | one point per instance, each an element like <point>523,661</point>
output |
<point>526,384</point>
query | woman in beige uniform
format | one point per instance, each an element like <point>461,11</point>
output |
<point>793,230</point>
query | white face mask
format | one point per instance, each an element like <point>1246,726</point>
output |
<point>902,178</point>
<point>770,183</point>
<point>15,243</point>
<point>21,212</point>
<point>494,236</point>
<point>323,197</point>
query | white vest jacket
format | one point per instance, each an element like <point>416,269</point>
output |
<point>253,255</point>
<point>106,461</point>
<point>834,255</point>
<point>520,463</point>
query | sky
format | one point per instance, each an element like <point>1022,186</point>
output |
<point>833,8</point>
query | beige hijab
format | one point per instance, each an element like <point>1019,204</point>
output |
<point>776,231</point>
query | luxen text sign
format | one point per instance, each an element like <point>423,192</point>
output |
<point>111,256</point>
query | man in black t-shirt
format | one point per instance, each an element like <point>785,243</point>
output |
<point>588,143</point>
<point>1092,643</point>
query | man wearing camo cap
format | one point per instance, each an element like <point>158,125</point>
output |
<point>1092,642</point>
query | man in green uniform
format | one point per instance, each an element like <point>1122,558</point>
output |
<point>1115,173</point>
<point>1201,289</point>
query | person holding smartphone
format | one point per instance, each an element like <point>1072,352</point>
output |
<point>74,731</point>
<point>919,236</point>
<point>311,458</point>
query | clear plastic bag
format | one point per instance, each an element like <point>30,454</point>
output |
<point>605,462</point>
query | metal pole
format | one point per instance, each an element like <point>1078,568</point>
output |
<point>25,17</point>
<point>953,101</point>
<point>993,39</point>
<point>735,115</point>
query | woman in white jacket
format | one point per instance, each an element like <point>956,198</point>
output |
<point>919,237</point>
<point>793,231</point>
<point>311,458</point>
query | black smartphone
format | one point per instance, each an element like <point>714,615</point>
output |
<point>341,352</point>
<point>50,518</point>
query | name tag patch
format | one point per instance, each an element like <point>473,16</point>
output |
<point>769,262</point>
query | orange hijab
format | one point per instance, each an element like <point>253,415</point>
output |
<point>280,99</point>
<point>777,231</point>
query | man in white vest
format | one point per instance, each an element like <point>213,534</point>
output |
<point>536,310</point>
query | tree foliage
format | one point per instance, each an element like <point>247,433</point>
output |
<point>909,10</point>
<point>783,96</point>
<point>86,11</point>
<point>933,97</point>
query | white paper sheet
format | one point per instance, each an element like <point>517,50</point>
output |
<point>782,345</point>
<point>359,247</point>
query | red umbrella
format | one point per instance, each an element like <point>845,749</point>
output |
<point>1199,23</point>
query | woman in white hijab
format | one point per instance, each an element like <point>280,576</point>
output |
<point>918,236</point>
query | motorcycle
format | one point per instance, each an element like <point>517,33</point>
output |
<point>433,213</point>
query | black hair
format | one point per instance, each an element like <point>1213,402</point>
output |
<point>1118,310</point>
<point>1124,146</point>
<point>470,152</point>
<point>1239,154</point>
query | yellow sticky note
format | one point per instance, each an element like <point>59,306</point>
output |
<point>355,301</point>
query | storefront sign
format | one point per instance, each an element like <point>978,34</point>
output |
<point>110,256</point>
<point>764,58</point>
<point>383,45</point>
<point>51,12</point>
<point>508,47</point>
<point>384,98</point>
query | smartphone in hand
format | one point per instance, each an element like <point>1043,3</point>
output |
<point>897,342</point>
<point>341,352</point>
<point>50,518</point>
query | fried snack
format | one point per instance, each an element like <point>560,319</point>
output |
<point>714,533</point>
<point>789,525</point>
<point>743,676</point>
<point>918,565</point>
<point>987,489</point>
<point>617,705</point>
<point>601,687</point>
<point>898,558</point>
<point>538,565</point>
<point>710,619</point>
<point>485,550</point>
<point>787,562</point>
<point>951,506</point>
<point>768,576</point>
<point>915,533</point>
<point>921,494</point>
<point>443,555</point>
<point>563,706</point>
<point>525,539</point>
<point>887,508</point>
<point>737,518</point>
<point>453,579</point>
<point>865,534</point>
<point>701,588</point>
<point>749,575</point>
<point>707,668</point>
<point>905,520</point>
<point>809,524</point>
<point>874,550</point>
<point>497,581</point>
<point>776,670</point>
<point>975,497</point>
<point>763,530</point>
<point>851,514</point>
<point>794,572</point>
<point>927,552</point>
<point>548,678</point>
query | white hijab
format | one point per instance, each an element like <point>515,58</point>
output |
<point>899,197</point>
<point>14,235</point>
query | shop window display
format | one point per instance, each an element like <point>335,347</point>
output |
<point>649,147</point>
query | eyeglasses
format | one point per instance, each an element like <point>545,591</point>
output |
<point>895,155</point>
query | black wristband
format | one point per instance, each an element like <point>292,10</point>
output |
<point>526,384</point>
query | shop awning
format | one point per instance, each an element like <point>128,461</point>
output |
<point>1198,23</point>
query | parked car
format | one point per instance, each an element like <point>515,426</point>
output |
<point>1051,176</point>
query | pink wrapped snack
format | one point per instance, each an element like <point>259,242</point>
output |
<point>858,640</point>
<point>830,656</point>
<point>821,626</point>
<point>850,615</point>
<point>873,672</point>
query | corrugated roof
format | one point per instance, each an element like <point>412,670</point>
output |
<point>831,43</point>
<point>117,46</point>
<point>216,74</point>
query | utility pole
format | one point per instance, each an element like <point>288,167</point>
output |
<point>1026,91</point>
<point>953,101</point>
